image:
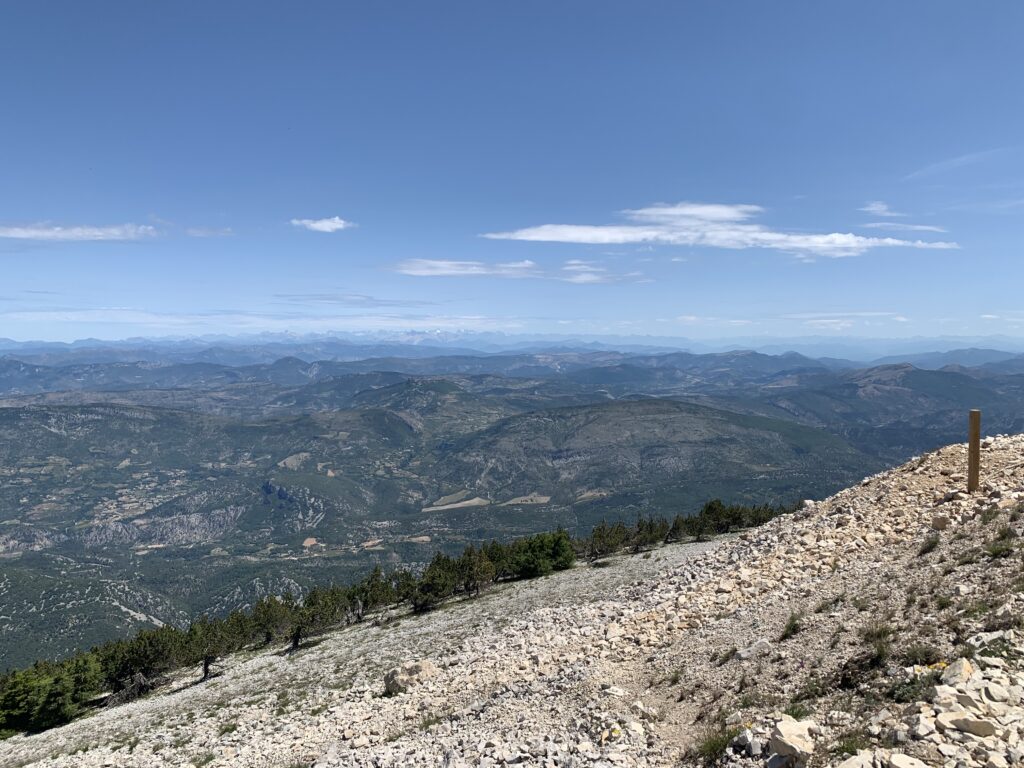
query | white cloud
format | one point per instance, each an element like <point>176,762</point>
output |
<point>586,272</point>
<point>209,231</point>
<point>446,268</point>
<point>577,271</point>
<point>53,233</point>
<point>900,226</point>
<point>345,299</point>
<point>826,315</point>
<point>707,320</point>
<point>831,323</point>
<point>878,208</point>
<point>332,224</point>
<point>841,321</point>
<point>711,225</point>
<point>231,321</point>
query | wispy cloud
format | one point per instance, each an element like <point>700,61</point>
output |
<point>446,268</point>
<point>878,208</point>
<point>953,163</point>
<point>331,224</point>
<point>904,227</point>
<point>209,231</point>
<point>711,225</point>
<point>842,321</point>
<point>579,271</point>
<point>54,233</point>
<point>709,320</point>
<point>342,299</point>
<point>116,319</point>
<point>821,315</point>
<point>588,272</point>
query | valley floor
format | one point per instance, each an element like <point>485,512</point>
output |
<point>879,627</point>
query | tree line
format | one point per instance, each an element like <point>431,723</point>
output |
<point>50,693</point>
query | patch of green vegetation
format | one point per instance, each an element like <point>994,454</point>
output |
<point>969,557</point>
<point>283,702</point>
<point>914,689</point>
<point>430,721</point>
<point>921,654</point>
<point>227,728</point>
<point>793,625</point>
<point>877,630</point>
<point>725,656</point>
<point>829,603</point>
<point>877,635</point>
<point>930,544</point>
<point>850,743</point>
<point>989,515</point>
<point>814,688</point>
<point>1003,544</point>
<point>798,710</point>
<point>714,742</point>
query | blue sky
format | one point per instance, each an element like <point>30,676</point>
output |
<point>695,169</point>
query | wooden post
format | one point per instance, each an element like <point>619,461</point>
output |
<point>973,450</point>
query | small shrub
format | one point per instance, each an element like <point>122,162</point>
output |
<point>851,742</point>
<point>877,635</point>
<point>814,688</point>
<point>877,630</point>
<point>727,655</point>
<point>430,721</point>
<point>922,654</point>
<point>714,742</point>
<point>968,558</point>
<point>828,604</point>
<point>798,710</point>
<point>914,689</point>
<point>930,544</point>
<point>227,728</point>
<point>999,548</point>
<point>793,625</point>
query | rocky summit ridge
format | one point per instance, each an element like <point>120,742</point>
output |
<point>881,627</point>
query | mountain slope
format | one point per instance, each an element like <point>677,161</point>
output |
<point>852,615</point>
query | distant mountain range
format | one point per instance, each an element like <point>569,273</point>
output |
<point>267,347</point>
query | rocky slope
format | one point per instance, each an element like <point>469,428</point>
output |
<point>879,627</point>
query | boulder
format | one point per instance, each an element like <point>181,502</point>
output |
<point>958,673</point>
<point>400,679</point>
<point>899,760</point>
<point>863,759</point>
<point>792,738</point>
<point>761,648</point>
<point>974,725</point>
